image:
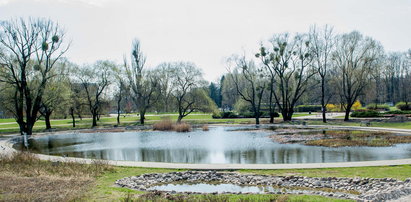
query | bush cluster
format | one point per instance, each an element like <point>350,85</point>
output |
<point>398,112</point>
<point>378,107</point>
<point>308,108</point>
<point>403,106</point>
<point>370,113</point>
<point>231,114</point>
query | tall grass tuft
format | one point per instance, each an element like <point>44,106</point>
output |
<point>164,125</point>
<point>167,125</point>
<point>205,128</point>
<point>182,127</point>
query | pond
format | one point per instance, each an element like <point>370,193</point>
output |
<point>216,146</point>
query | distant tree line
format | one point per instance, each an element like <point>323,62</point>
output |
<point>318,67</point>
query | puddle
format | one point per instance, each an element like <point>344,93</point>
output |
<point>221,188</point>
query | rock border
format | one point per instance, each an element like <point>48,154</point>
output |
<point>370,189</point>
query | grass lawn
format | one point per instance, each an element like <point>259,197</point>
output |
<point>24,177</point>
<point>104,189</point>
<point>404,125</point>
<point>10,125</point>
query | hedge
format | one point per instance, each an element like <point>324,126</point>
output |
<point>373,106</point>
<point>308,108</point>
<point>403,106</point>
<point>370,113</point>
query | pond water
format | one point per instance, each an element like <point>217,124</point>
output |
<point>219,188</point>
<point>218,145</point>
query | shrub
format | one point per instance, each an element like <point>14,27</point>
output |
<point>216,115</point>
<point>164,125</point>
<point>398,112</point>
<point>205,128</point>
<point>308,108</point>
<point>225,115</point>
<point>248,114</point>
<point>369,113</point>
<point>380,107</point>
<point>182,127</point>
<point>357,105</point>
<point>403,106</point>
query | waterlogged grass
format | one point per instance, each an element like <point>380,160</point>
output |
<point>345,138</point>
<point>403,125</point>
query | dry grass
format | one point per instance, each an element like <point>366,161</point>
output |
<point>24,177</point>
<point>167,125</point>
<point>164,125</point>
<point>205,128</point>
<point>360,138</point>
<point>161,196</point>
<point>16,188</point>
<point>182,127</point>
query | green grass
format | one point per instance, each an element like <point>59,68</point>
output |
<point>104,189</point>
<point>401,172</point>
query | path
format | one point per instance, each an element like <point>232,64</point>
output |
<point>332,115</point>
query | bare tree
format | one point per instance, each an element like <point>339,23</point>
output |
<point>392,72</point>
<point>95,80</point>
<point>122,90</point>
<point>322,45</point>
<point>187,90</point>
<point>354,57</point>
<point>56,93</point>
<point>250,83</point>
<point>405,78</point>
<point>31,49</point>
<point>165,73</point>
<point>288,61</point>
<point>143,83</point>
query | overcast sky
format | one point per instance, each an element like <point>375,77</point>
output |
<point>207,31</point>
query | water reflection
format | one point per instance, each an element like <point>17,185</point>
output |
<point>219,145</point>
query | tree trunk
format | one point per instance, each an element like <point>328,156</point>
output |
<point>94,119</point>
<point>142,117</point>
<point>287,114</point>
<point>29,127</point>
<point>271,103</point>
<point>118,118</point>
<point>347,113</point>
<point>180,117</point>
<point>257,119</point>
<point>73,117</point>
<point>118,110</point>
<point>271,117</point>
<point>47,119</point>
<point>323,105</point>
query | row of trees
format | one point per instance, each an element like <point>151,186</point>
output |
<point>332,68</point>
<point>37,82</point>
<point>317,67</point>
